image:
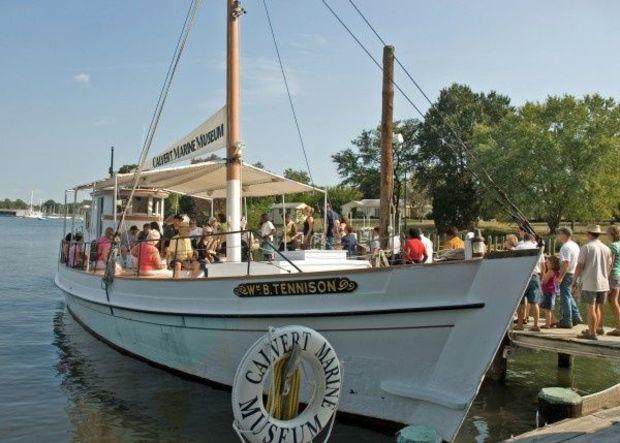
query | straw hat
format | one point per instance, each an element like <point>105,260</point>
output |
<point>153,235</point>
<point>594,229</point>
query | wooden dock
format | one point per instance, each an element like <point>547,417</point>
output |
<point>567,341</point>
<point>600,427</point>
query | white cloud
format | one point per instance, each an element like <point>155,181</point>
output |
<point>308,41</point>
<point>82,78</point>
<point>104,122</point>
<point>262,79</point>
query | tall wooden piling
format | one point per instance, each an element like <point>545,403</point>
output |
<point>387,151</point>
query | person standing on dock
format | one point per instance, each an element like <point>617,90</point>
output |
<point>593,268</point>
<point>613,232</point>
<point>533,292</point>
<point>569,254</point>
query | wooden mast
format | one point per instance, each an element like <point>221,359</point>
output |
<point>387,152</point>
<point>233,142</point>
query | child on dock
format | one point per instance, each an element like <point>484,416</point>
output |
<point>550,281</point>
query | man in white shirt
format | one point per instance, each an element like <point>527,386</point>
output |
<point>593,266</point>
<point>428,245</point>
<point>569,253</point>
<point>195,231</point>
<point>267,231</point>
<point>533,292</point>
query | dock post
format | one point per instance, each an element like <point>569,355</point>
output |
<point>564,360</point>
<point>418,434</point>
<point>499,365</point>
<point>555,404</point>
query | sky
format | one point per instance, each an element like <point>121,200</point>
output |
<point>78,77</point>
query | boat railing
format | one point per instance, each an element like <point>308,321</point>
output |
<point>205,249</point>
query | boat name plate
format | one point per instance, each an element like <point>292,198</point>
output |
<point>332,285</point>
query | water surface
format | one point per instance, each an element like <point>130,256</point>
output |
<point>61,384</point>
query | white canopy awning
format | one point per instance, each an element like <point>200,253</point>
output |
<point>206,180</point>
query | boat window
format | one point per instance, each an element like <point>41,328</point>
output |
<point>140,205</point>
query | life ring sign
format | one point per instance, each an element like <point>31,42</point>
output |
<point>252,420</point>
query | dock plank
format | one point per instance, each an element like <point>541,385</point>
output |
<point>567,341</point>
<point>603,426</point>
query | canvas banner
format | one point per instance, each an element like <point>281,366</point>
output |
<point>208,137</point>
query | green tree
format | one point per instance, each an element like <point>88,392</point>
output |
<point>339,195</point>
<point>19,204</point>
<point>171,204</point>
<point>49,205</point>
<point>187,206</point>
<point>297,175</point>
<point>360,165</point>
<point>443,162</point>
<point>125,169</point>
<point>558,159</point>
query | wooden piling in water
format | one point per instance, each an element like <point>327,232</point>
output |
<point>555,404</point>
<point>499,365</point>
<point>564,360</point>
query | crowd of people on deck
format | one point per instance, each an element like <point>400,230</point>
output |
<point>593,269</point>
<point>183,248</point>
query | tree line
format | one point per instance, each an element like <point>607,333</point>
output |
<point>557,159</point>
<point>48,206</point>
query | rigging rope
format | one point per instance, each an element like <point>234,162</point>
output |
<point>288,91</point>
<point>108,277</point>
<point>505,202</point>
<point>163,95</point>
<point>444,120</point>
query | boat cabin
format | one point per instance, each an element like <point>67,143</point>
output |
<point>147,206</point>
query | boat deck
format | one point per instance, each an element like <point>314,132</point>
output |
<point>567,341</point>
<point>600,427</point>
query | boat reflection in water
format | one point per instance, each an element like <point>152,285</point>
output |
<point>113,397</point>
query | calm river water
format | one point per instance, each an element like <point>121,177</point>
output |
<point>58,383</point>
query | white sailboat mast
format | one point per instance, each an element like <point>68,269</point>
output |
<point>233,143</point>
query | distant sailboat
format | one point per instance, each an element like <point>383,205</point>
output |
<point>30,212</point>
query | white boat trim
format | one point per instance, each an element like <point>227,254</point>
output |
<point>423,393</point>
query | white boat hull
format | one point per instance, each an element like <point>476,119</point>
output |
<point>415,341</point>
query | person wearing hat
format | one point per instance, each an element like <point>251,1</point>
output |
<point>212,225</point>
<point>180,253</point>
<point>146,255</point>
<point>569,254</point>
<point>593,266</point>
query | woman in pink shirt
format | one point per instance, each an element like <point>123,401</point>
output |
<point>104,244</point>
<point>149,260</point>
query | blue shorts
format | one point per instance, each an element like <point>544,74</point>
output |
<point>533,293</point>
<point>548,302</point>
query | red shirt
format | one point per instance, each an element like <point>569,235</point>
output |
<point>414,250</point>
<point>103,248</point>
<point>148,257</point>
